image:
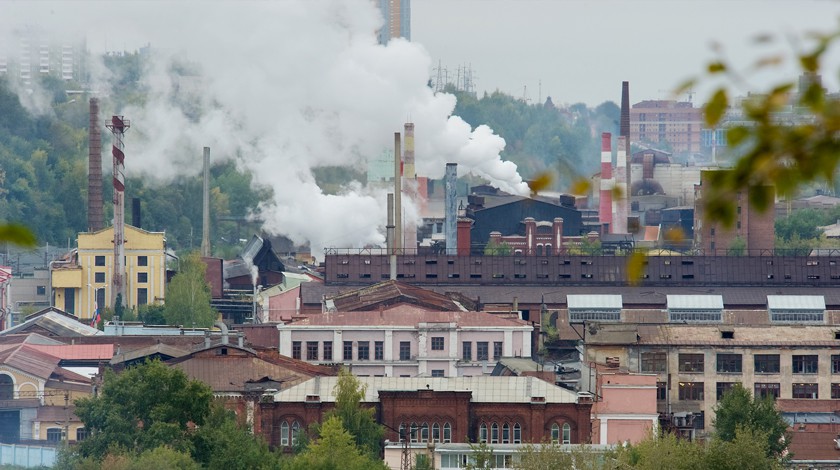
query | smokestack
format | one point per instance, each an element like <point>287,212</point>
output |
<point>205,221</point>
<point>451,212</point>
<point>624,127</point>
<point>136,215</point>
<point>397,193</point>
<point>410,240</point>
<point>605,203</point>
<point>96,217</point>
<point>389,230</point>
<point>118,127</point>
<point>621,196</point>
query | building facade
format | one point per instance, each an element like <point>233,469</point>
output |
<point>81,281</point>
<point>397,14</point>
<point>678,124</point>
<point>407,341</point>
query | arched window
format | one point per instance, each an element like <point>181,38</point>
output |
<point>284,433</point>
<point>494,433</point>
<point>517,252</point>
<point>548,251</point>
<point>7,387</point>
<point>482,433</point>
<point>447,432</point>
<point>424,432</point>
<point>539,250</point>
<point>295,432</point>
<point>517,433</point>
<point>414,432</point>
<point>567,433</point>
<point>555,434</point>
<point>506,434</point>
<point>436,432</point>
<point>401,432</point>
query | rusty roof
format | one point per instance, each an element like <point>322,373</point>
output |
<point>409,315</point>
<point>707,335</point>
<point>78,351</point>
<point>390,293</point>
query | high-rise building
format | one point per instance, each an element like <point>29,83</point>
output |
<point>397,14</point>
<point>30,52</point>
<point>665,121</point>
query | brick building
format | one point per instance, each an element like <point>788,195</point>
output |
<point>496,410</point>
<point>677,123</point>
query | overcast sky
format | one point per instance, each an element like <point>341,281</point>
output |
<point>581,50</point>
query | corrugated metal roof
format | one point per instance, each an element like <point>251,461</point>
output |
<point>594,301</point>
<point>78,351</point>
<point>798,302</point>
<point>695,302</point>
<point>485,389</point>
<point>56,323</point>
<point>407,315</point>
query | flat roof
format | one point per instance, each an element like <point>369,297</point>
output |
<point>796,302</point>
<point>594,301</point>
<point>694,302</point>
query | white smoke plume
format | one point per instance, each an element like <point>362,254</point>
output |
<point>284,87</point>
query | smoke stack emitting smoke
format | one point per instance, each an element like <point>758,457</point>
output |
<point>287,87</point>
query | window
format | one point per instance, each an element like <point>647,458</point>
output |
<point>41,290</point>
<point>436,432</point>
<point>437,343</point>
<point>81,434</point>
<point>348,350</point>
<point>437,373</point>
<point>53,434</point>
<point>722,388</point>
<point>295,432</point>
<point>284,433</point>
<point>405,351</point>
<point>482,433</point>
<point>805,364</point>
<point>806,391</point>
<point>142,278</point>
<point>729,363</point>
<point>661,391</point>
<point>99,261</point>
<point>497,350</point>
<point>555,433</point>
<point>654,362</point>
<point>424,432</point>
<point>764,390</point>
<point>506,434</point>
<point>7,387</point>
<point>691,362</point>
<point>447,432</point>
<point>691,390</point>
<point>363,352</point>
<point>567,433</point>
<point>766,363</point>
<point>835,391</point>
<point>142,261</point>
<point>466,353</point>
<point>328,350</point>
<point>311,350</point>
<point>517,433</point>
<point>378,351</point>
<point>494,433</point>
<point>142,296</point>
<point>835,363</point>
<point>99,277</point>
<point>482,351</point>
<point>295,349</point>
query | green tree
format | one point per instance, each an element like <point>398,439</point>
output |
<point>481,457</point>
<point>550,456</point>
<point>142,408</point>
<point>334,449</point>
<point>738,247</point>
<point>496,248</point>
<point>223,443</point>
<point>188,295</point>
<point>358,420</point>
<point>739,409</point>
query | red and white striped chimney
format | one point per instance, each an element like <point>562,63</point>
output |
<point>605,204</point>
<point>621,197</point>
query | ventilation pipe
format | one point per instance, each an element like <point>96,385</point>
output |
<point>221,325</point>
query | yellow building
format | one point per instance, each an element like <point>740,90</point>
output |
<point>83,280</point>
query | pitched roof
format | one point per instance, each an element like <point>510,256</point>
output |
<point>408,316</point>
<point>55,323</point>
<point>767,336</point>
<point>78,351</point>
<point>389,293</point>
<point>485,389</point>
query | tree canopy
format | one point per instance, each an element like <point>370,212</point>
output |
<point>739,410</point>
<point>188,295</point>
<point>358,420</point>
<point>335,449</point>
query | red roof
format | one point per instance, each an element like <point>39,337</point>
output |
<point>404,315</point>
<point>77,351</point>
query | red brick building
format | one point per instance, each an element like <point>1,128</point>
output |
<point>498,410</point>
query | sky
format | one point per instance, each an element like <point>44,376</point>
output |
<point>287,86</point>
<point>581,50</point>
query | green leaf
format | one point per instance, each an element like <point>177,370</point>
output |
<point>716,107</point>
<point>736,135</point>
<point>17,234</point>
<point>717,67</point>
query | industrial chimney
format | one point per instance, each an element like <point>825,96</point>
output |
<point>605,202</point>
<point>136,214</point>
<point>205,220</point>
<point>410,186</point>
<point>96,218</point>
<point>118,127</point>
<point>450,228</point>
<point>398,233</point>
<point>621,197</point>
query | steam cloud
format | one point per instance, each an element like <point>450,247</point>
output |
<point>285,87</point>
